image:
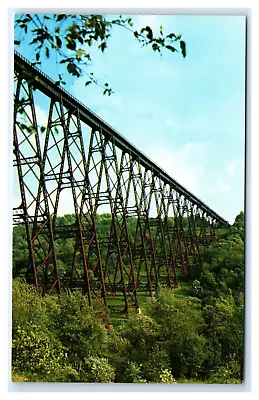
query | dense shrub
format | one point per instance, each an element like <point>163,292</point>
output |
<point>53,339</point>
<point>34,350</point>
<point>79,330</point>
<point>143,348</point>
<point>181,327</point>
<point>98,370</point>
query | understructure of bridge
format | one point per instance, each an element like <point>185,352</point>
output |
<point>69,156</point>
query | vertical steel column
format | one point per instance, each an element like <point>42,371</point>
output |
<point>88,210</point>
<point>40,237</point>
<point>18,164</point>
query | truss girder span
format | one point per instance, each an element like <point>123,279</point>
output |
<point>68,160</point>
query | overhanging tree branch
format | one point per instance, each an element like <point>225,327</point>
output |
<point>71,38</point>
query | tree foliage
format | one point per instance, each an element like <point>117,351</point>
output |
<point>197,337</point>
<point>72,39</point>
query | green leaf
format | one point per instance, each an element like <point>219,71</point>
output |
<point>72,69</point>
<point>71,44</point>
<point>103,46</point>
<point>171,48</point>
<point>88,83</point>
<point>47,52</point>
<point>183,48</point>
<point>171,35</point>
<point>60,17</point>
<point>58,41</point>
<point>25,20</point>
<point>24,26</point>
<point>17,42</point>
<point>160,40</point>
<point>79,54</point>
<point>149,33</point>
<point>155,47</point>
<point>36,39</point>
<point>130,22</point>
<point>107,91</point>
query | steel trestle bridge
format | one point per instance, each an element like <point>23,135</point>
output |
<point>156,229</point>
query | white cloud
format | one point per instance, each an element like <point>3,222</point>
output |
<point>41,115</point>
<point>173,123</point>
<point>154,71</point>
<point>222,186</point>
<point>185,164</point>
<point>65,205</point>
<point>234,167</point>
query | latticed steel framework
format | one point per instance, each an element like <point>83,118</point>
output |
<point>156,227</point>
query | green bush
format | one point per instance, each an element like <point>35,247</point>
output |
<point>79,330</point>
<point>166,377</point>
<point>97,370</point>
<point>27,306</point>
<point>181,327</point>
<point>229,373</point>
<point>51,339</point>
<point>143,348</point>
<point>224,331</point>
<point>35,351</point>
<point>131,373</point>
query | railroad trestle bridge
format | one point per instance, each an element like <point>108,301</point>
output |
<point>155,229</point>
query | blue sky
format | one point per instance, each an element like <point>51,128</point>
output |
<point>186,114</point>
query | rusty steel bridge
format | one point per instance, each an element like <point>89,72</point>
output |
<point>157,228</point>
